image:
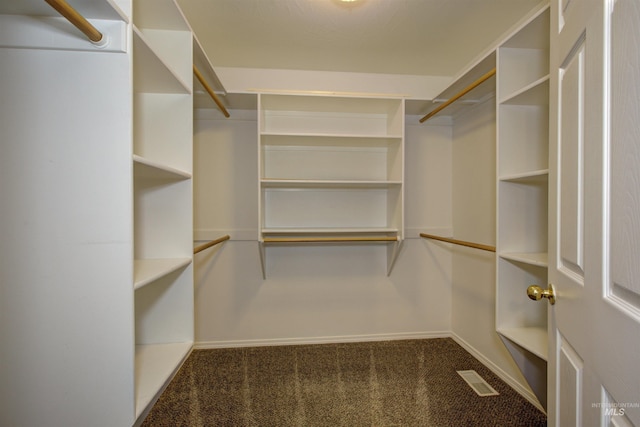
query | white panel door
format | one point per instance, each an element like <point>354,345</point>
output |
<point>594,213</point>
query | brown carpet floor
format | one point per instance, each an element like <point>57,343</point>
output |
<point>390,383</point>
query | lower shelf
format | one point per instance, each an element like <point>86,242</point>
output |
<point>532,339</point>
<point>155,366</point>
<point>393,243</point>
<point>148,270</point>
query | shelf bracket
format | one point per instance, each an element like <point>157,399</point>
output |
<point>262,260</point>
<point>392,255</point>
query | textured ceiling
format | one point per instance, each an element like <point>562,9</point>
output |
<point>416,37</point>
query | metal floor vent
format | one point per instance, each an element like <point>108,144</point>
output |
<point>477,383</point>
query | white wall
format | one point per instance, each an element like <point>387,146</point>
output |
<point>314,293</point>
<point>474,219</point>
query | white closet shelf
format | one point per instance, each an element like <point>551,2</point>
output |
<point>522,148</point>
<point>533,258</point>
<point>151,73</point>
<point>311,183</point>
<point>328,103</point>
<point>533,339</point>
<point>367,139</point>
<point>331,239</point>
<point>146,168</point>
<point>478,94</point>
<point>540,176</point>
<point>329,230</point>
<point>148,270</point>
<point>535,93</point>
<point>155,366</point>
<point>330,170</point>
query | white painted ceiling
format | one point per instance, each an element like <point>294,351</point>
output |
<point>413,37</point>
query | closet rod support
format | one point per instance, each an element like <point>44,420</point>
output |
<point>459,242</point>
<point>459,95</point>
<point>79,21</point>
<point>210,91</point>
<point>210,244</point>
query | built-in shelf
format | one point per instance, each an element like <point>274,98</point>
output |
<point>533,339</point>
<point>522,191</point>
<point>155,365</point>
<point>162,195</point>
<point>148,270</point>
<point>299,183</point>
<point>145,168</point>
<point>151,73</point>
<point>537,176</point>
<point>331,170</point>
<point>538,259</point>
<point>486,90</point>
<point>201,98</point>
<point>536,93</point>
<point>329,230</point>
<point>306,138</point>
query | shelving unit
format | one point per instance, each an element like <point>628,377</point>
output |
<point>522,187</point>
<point>162,148</point>
<point>108,289</point>
<point>521,89</point>
<point>331,169</point>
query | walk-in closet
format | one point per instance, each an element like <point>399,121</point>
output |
<point>163,196</point>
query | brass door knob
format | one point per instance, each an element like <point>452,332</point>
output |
<point>536,293</point>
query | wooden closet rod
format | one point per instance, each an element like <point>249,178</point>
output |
<point>459,242</point>
<point>209,244</point>
<point>459,95</point>
<point>76,19</point>
<point>210,91</point>
<point>328,239</point>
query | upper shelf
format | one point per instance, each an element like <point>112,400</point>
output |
<point>151,73</point>
<point>529,37</point>
<point>331,115</point>
<point>536,93</point>
<point>206,85</point>
<point>479,93</point>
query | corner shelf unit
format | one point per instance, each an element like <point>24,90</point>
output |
<point>522,183</point>
<point>331,170</point>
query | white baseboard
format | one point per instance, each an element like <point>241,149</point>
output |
<point>519,388</point>
<point>200,345</point>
